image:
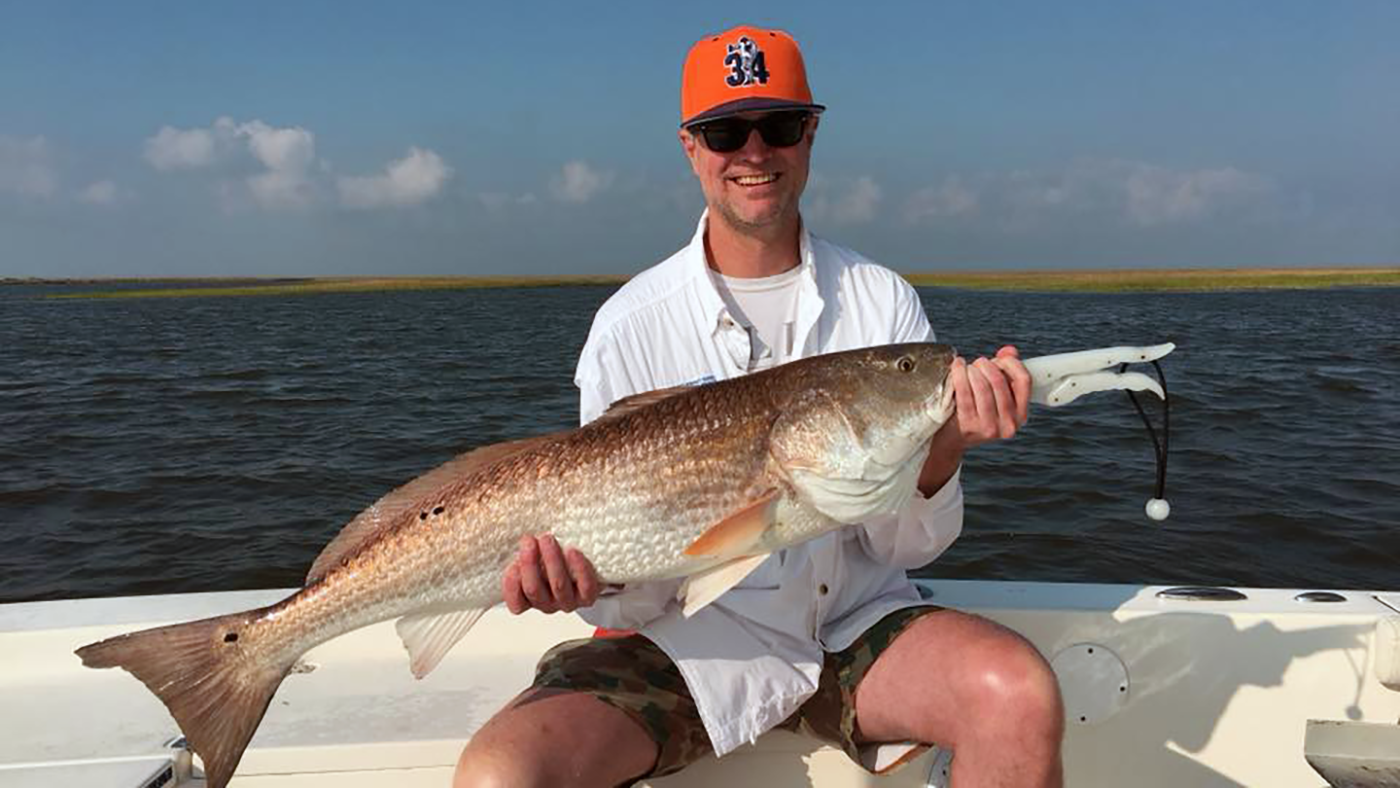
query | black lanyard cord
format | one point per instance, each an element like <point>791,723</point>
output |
<point>1159,447</point>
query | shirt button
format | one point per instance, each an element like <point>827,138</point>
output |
<point>822,589</point>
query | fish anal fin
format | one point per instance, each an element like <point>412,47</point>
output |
<point>385,512</point>
<point>885,757</point>
<point>702,588</point>
<point>740,531</point>
<point>429,636</point>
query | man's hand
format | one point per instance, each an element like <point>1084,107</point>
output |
<point>549,579</point>
<point>993,396</point>
<point>993,400</point>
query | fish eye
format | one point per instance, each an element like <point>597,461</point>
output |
<point>905,364</point>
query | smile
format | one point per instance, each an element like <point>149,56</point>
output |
<point>756,180</point>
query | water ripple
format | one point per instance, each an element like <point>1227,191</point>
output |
<point>153,446</point>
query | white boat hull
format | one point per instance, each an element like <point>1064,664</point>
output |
<point>1158,692</point>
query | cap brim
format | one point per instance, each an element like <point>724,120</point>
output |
<point>740,106</point>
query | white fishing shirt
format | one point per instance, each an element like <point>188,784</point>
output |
<point>751,657</point>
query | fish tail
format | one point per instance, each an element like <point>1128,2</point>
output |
<point>206,675</point>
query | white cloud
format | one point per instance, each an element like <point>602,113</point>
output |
<point>1116,190</point>
<point>290,149</point>
<point>578,182</point>
<point>289,175</point>
<point>100,193</point>
<point>281,189</point>
<point>417,177</point>
<point>858,204</point>
<point>288,154</point>
<point>1159,196</point>
<point>172,148</point>
<point>496,202</point>
<point>26,169</point>
<point>950,198</point>
<point>841,201</point>
<point>285,154</point>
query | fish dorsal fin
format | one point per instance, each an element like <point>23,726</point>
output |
<point>702,588</point>
<point>634,402</point>
<point>386,511</point>
<point>429,636</point>
<point>738,533</point>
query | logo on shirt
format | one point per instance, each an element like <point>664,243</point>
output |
<point>703,380</point>
<point>745,61</point>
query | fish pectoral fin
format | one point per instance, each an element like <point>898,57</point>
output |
<point>702,588</point>
<point>739,532</point>
<point>429,636</point>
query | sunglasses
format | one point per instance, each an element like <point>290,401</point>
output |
<point>778,130</point>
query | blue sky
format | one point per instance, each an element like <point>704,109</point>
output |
<point>156,139</point>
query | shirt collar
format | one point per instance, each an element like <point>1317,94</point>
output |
<point>713,303</point>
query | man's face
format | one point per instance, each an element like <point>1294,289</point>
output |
<point>757,186</point>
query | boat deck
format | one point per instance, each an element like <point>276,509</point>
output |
<point>1175,692</point>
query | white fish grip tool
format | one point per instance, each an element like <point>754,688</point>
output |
<point>1065,377</point>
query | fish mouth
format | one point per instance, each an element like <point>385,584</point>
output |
<point>945,401</point>
<point>943,404</point>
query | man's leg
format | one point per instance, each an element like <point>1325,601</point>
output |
<point>601,712</point>
<point>552,737</point>
<point>972,685</point>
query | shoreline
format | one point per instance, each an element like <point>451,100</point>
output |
<point>1067,280</point>
<point>1163,279</point>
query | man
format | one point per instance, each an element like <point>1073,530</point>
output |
<point>828,638</point>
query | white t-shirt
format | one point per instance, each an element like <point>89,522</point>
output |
<point>754,655</point>
<point>767,308</point>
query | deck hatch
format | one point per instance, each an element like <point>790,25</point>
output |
<point>1319,596</point>
<point>1201,594</point>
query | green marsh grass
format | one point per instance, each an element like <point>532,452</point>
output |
<point>253,287</point>
<point>1105,281</point>
<point>1162,280</point>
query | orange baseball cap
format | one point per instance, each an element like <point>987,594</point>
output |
<point>742,70</point>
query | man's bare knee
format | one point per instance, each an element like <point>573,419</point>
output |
<point>1016,684</point>
<point>483,768</point>
<point>555,738</point>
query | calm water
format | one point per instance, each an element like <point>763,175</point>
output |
<point>217,443</point>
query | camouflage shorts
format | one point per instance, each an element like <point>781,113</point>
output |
<point>632,674</point>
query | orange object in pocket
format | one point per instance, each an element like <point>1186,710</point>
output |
<point>604,632</point>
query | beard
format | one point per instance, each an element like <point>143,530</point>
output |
<point>774,218</point>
